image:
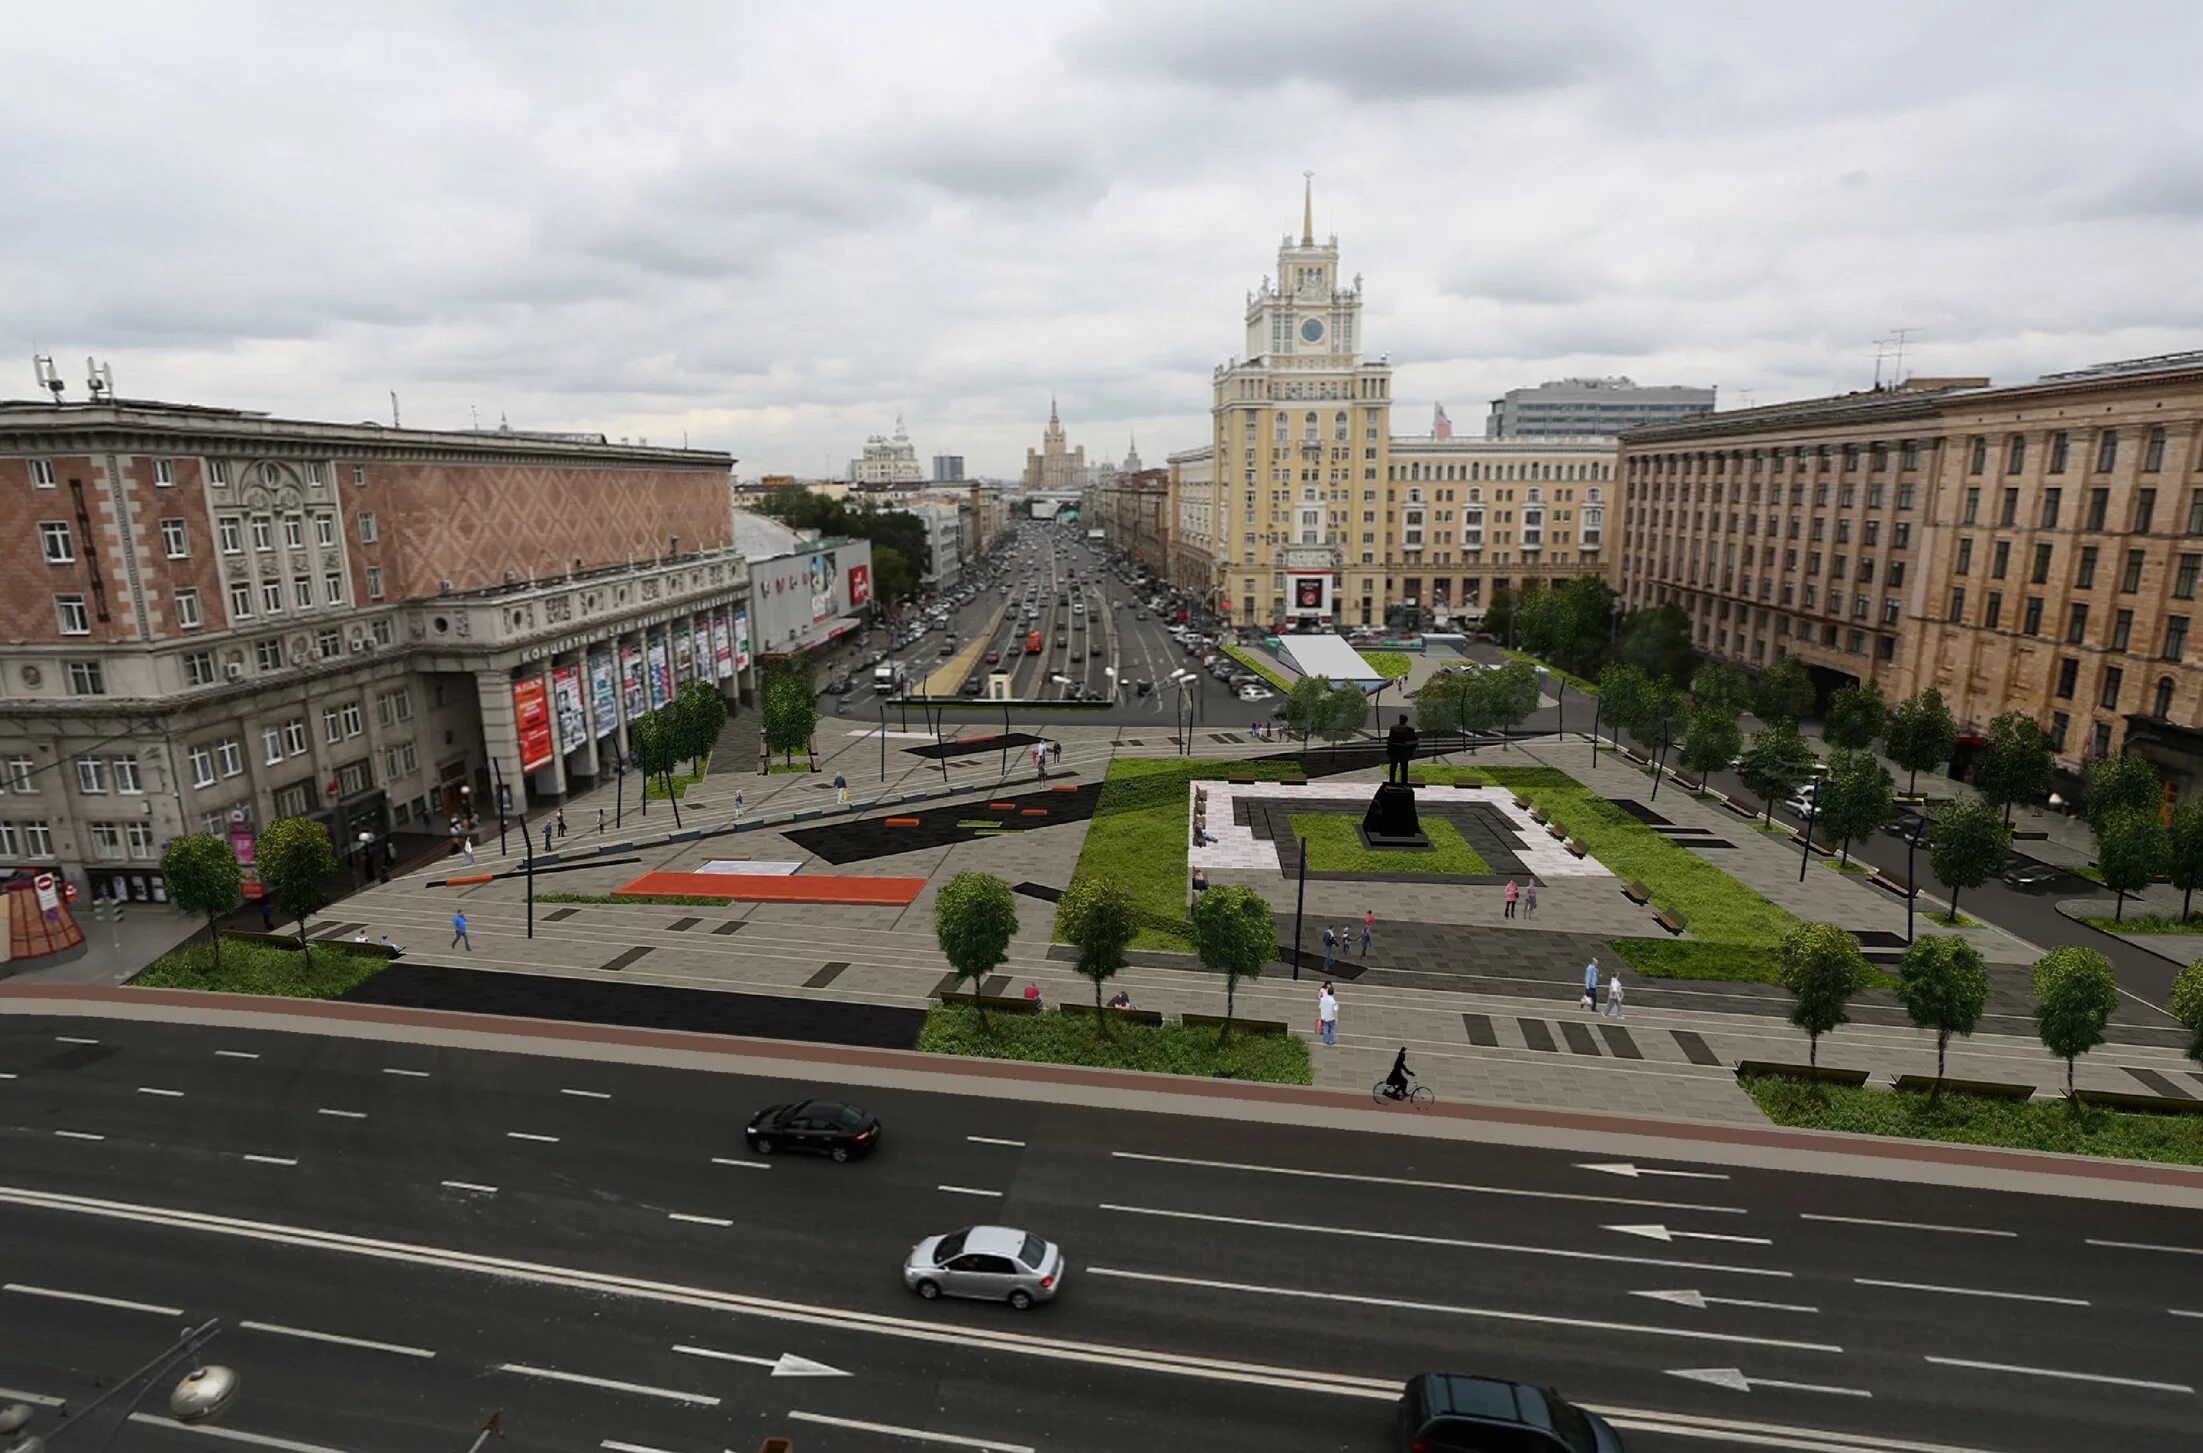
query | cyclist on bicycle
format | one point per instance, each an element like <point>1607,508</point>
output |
<point>1396,1082</point>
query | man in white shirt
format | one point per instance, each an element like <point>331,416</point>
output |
<point>1327,1015</point>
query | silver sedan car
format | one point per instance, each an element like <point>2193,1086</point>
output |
<point>989,1263</point>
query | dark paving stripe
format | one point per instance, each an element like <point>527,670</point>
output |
<point>339,930</point>
<point>732,925</point>
<point>627,956</point>
<point>558,913</point>
<point>1041,891</point>
<point>682,925</point>
<point>856,840</point>
<point>1639,811</point>
<point>995,985</point>
<point>1878,938</point>
<point>1619,1043</point>
<point>949,984</point>
<point>826,975</point>
<point>954,747</point>
<point>2163,1084</point>
<point>1578,1037</point>
<point>1694,1047</point>
<point>653,1006</point>
<point>1480,1029</point>
<point>1707,843</point>
<point>1536,1035</point>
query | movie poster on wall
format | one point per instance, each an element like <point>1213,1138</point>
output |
<point>860,585</point>
<point>604,693</point>
<point>684,656</point>
<point>825,578</point>
<point>660,674</point>
<point>631,680</point>
<point>741,640</point>
<point>532,714</point>
<point>722,646</point>
<point>573,725</point>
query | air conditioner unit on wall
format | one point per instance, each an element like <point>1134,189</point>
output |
<point>233,670</point>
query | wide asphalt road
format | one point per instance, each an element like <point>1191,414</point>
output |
<point>402,1238</point>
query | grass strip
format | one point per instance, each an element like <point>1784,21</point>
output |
<point>323,971</point>
<point>1970,1120</point>
<point>1689,958</point>
<point>1333,846</point>
<point>1060,1039</point>
<point>1392,665</point>
<point>1259,666</point>
<point>1442,772</point>
<point>2148,923</point>
<point>655,789</point>
<point>1576,682</point>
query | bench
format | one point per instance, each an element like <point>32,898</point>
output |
<point>1822,1073</point>
<point>1670,920</point>
<point>1294,781</point>
<point>1032,812</point>
<point>1216,1021</point>
<point>1575,849</point>
<point>1153,1017</point>
<point>1539,814</point>
<point>1556,832</point>
<point>1064,787</point>
<point>1002,806</point>
<point>1522,804</point>
<point>2137,1103</point>
<point>1636,892</point>
<point>898,822</point>
<point>1987,1089</point>
<point>1881,881</point>
<point>1239,781</point>
<point>995,1003</point>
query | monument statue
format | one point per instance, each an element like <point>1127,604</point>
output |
<point>1400,745</point>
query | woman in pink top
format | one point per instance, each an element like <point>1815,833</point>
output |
<point>1511,892</point>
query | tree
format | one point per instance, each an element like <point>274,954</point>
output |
<point>1777,763</point>
<point>1659,712</point>
<point>2130,850</point>
<point>892,577</point>
<point>1304,706</point>
<point>699,715</point>
<point>1344,712</point>
<point>1235,935</point>
<point>1622,690</point>
<point>2118,783</point>
<point>2187,1005</point>
<point>1921,733</point>
<point>1509,695</point>
<point>2018,763</point>
<point>1097,916</point>
<point>790,712</point>
<point>1968,844</point>
<point>1712,740</point>
<point>1499,614</point>
<point>1438,704</point>
<point>1568,624</point>
<point>1854,798</point>
<point>1785,691</point>
<point>1718,684</point>
<point>1657,642</point>
<point>203,877</point>
<point>1856,716</point>
<point>2184,851</point>
<point>1821,966</point>
<point>296,861</point>
<point>2074,996</point>
<point>974,919</point>
<point>1944,987</point>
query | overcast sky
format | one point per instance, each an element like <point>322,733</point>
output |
<point>774,227</point>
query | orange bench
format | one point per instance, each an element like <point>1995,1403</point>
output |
<point>902,821</point>
<point>470,878</point>
<point>1064,787</point>
<point>1003,806</point>
<point>1033,812</point>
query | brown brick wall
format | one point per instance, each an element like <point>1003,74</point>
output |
<point>27,590</point>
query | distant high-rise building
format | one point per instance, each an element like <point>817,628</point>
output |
<point>1590,407</point>
<point>1441,427</point>
<point>887,461</point>
<point>1054,465</point>
<point>948,468</point>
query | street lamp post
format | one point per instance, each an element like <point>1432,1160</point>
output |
<point>1805,853</point>
<point>202,1395</point>
<point>1912,847</point>
<point>1596,707</point>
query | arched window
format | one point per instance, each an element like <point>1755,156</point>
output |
<point>2163,704</point>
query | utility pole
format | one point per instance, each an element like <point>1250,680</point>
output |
<point>1300,902</point>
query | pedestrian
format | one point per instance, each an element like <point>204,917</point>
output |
<point>394,949</point>
<point>1055,752</point>
<point>1327,1014</point>
<point>1365,940</point>
<point>1530,899</point>
<point>1591,984</point>
<point>1369,926</point>
<point>267,914</point>
<point>737,804</point>
<point>361,936</point>
<point>1512,892</point>
<point>468,850</point>
<point>546,837</point>
<point>1032,993</point>
<point>459,931</point>
<point>562,822</point>
<point>600,819</point>
<point>1330,946</point>
<point>1614,995</point>
<point>841,790</point>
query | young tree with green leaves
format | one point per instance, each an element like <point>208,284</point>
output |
<point>1779,761</point>
<point>1658,642</point>
<point>2184,852</point>
<point>1499,614</point>
<point>296,862</point>
<point>203,877</point>
<point>1235,935</point>
<point>1438,706</point>
<point>790,714</point>
<point>1720,685</point>
<point>2018,764</point>
<point>2130,850</point>
<point>1568,624</point>
<point>1712,740</point>
<point>1856,716</point>
<point>1096,914</point>
<point>2187,1006</point>
<point>1822,967</point>
<point>1345,711</point>
<point>2116,784</point>
<point>1921,733</point>
<point>1510,694</point>
<point>699,715</point>
<point>1660,713</point>
<point>1854,798</point>
<point>1622,692</point>
<point>1944,986</point>
<point>1304,706</point>
<point>1784,691</point>
<point>2074,996</point>
<point>1968,844</point>
<point>974,919</point>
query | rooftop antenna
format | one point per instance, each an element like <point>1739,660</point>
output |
<point>476,415</point>
<point>1881,351</point>
<point>99,379</point>
<point>394,410</point>
<point>42,368</point>
<point>1897,375</point>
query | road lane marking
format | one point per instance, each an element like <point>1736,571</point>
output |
<point>698,1220</point>
<point>745,1164</point>
<point>23,1289</point>
<point>233,1435</point>
<point>342,1114</point>
<point>1736,1381</point>
<point>1633,1170</point>
<point>73,1039</point>
<point>966,1191</point>
<point>78,1135</point>
<point>2145,1246</point>
<point>1904,1225</point>
<point>586,1094</point>
<point>614,1445</point>
<point>1700,1301</point>
<point>916,1435</point>
<point>277,1329</point>
<point>17,1395</point>
<point>2178,1313</point>
<point>235,1054</point>
<point>470,1186</point>
<point>1662,1233</point>
<point>675,1395</point>
<point>157,1090</point>
<point>1340,1175</point>
<point>787,1364</point>
<point>1914,1286</point>
<point>409,1074</point>
<point>1493,1313</point>
<point>272,1159</point>
<point>1418,1239</point>
<point>994,1140</point>
<point>2180,1387</point>
<point>524,1135</point>
<point>7,1074</point>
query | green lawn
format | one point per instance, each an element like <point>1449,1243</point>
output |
<point>1335,847</point>
<point>1951,920</point>
<point>1060,1039</point>
<point>1441,772</point>
<point>324,971</point>
<point>1392,665</point>
<point>1969,1120</point>
<point>1260,665</point>
<point>1141,828</point>
<point>1689,958</point>
<point>2148,923</point>
<point>654,786</point>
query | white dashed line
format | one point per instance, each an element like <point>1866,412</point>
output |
<point>342,1114</point>
<point>73,1039</point>
<point>1914,1286</point>
<point>697,1220</point>
<point>470,1186</point>
<point>524,1135</point>
<point>2055,1372</point>
<point>157,1090</point>
<point>670,1394</point>
<point>744,1164</point>
<point>614,1445</point>
<point>22,1290</point>
<point>235,1054</point>
<point>7,1074</point>
<point>412,1074</point>
<point>232,1435</point>
<point>2145,1246</point>
<point>271,1160</point>
<point>78,1135</point>
<point>966,1191</point>
<point>915,1434</point>
<point>277,1329</point>
<point>994,1140</point>
<point>1904,1225</point>
<point>586,1094</point>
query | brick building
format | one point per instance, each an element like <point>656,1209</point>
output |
<point>210,619</point>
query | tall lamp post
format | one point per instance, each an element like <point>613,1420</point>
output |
<point>1912,848</point>
<point>200,1396</point>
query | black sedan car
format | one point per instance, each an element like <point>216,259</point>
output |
<point>2033,876</point>
<point>826,1127</point>
<point>1443,1412</point>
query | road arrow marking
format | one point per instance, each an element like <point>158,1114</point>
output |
<point>1662,1233</point>
<point>1701,1301</point>
<point>1626,1168</point>
<point>1736,1381</point>
<point>787,1364</point>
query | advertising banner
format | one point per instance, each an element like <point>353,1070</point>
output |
<point>722,645</point>
<point>823,580</point>
<point>532,713</point>
<point>241,847</point>
<point>860,585</point>
<point>660,674</point>
<point>573,725</point>
<point>1308,594</point>
<point>631,680</point>
<point>684,662</point>
<point>604,693</point>
<point>741,640</point>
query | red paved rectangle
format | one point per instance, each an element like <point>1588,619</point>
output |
<point>795,888</point>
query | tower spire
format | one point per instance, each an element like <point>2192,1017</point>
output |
<point>1308,209</point>
<point>1052,408</point>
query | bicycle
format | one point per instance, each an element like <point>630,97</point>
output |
<point>1382,1091</point>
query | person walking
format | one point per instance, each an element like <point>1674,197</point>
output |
<point>1614,995</point>
<point>561,819</point>
<point>1512,893</point>
<point>841,790</point>
<point>737,804</point>
<point>546,837</point>
<point>466,850</point>
<point>1330,946</point>
<point>1530,899</point>
<point>267,914</point>
<point>1591,985</point>
<point>1366,921</point>
<point>1055,751</point>
<point>1327,1014</point>
<point>459,931</point>
<point>600,819</point>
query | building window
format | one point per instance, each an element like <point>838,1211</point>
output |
<point>314,474</point>
<point>2069,675</point>
<point>1965,559</point>
<point>1973,507</point>
<point>106,841</point>
<point>332,585</point>
<point>2015,454</point>
<point>2000,559</point>
<point>20,775</point>
<point>2107,451</point>
<point>374,582</point>
<point>2195,511</point>
<point>263,533</point>
<point>332,725</point>
<point>140,838</point>
<point>354,778</point>
<point>74,619</point>
<point>1958,603</point>
<point>2153,450</point>
<point>271,596</point>
<point>2145,510</point>
<point>2060,724</point>
<point>2099,504</point>
<point>87,678</point>
<point>199,668</point>
<point>2076,622</point>
<point>359,473</point>
<point>1977,457</point>
<point>91,776</point>
<point>42,474</point>
<point>2008,513</point>
<point>229,754</point>
<point>240,602</point>
<point>294,531</point>
<point>218,473</point>
<point>268,651</point>
<point>325,529</point>
<point>293,801</point>
<point>2122,629</point>
<point>2031,618</point>
<point>202,767</point>
<point>2183,578</point>
<point>2099,741</point>
<point>294,736</point>
<point>271,746</point>
<point>2176,638</point>
<point>328,645</point>
<point>2131,579</point>
<point>383,632</point>
<point>2041,573</point>
<point>53,537</point>
<point>1992,610</point>
<point>302,591</point>
<point>2108,696</point>
<point>2161,706</point>
<point>175,540</point>
<point>367,527</point>
<point>1900,534</point>
<point>187,610</point>
<point>228,536</point>
<point>1905,494</point>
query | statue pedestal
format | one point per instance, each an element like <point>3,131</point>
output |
<point>1391,821</point>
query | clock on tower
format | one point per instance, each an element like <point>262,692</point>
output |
<point>1311,330</point>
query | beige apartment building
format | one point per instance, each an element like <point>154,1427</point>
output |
<point>2027,548</point>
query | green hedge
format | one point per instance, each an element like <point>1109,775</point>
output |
<point>1259,666</point>
<point>1062,1039</point>
<point>2148,923</point>
<point>1688,958</point>
<point>1970,1120</point>
<point>1392,665</point>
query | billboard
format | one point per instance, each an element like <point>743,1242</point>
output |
<point>722,646</point>
<point>860,585</point>
<point>1308,594</point>
<point>683,662</point>
<point>532,714</point>
<point>824,577</point>
<point>631,680</point>
<point>660,674</point>
<point>604,693</point>
<point>573,726</point>
<point>741,640</point>
<point>796,600</point>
